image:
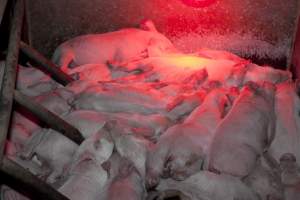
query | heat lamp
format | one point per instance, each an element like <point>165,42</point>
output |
<point>198,3</point>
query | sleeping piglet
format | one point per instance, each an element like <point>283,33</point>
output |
<point>125,44</point>
<point>86,176</point>
<point>182,149</point>
<point>246,131</point>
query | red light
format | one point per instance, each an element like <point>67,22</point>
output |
<point>198,3</point>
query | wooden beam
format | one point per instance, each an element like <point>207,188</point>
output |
<point>46,64</point>
<point>21,180</point>
<point>9,75</point>
<point>49,118</point>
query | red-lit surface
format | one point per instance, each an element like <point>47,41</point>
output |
<point>198,3</point>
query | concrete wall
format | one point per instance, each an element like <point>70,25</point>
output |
<point>248,27</point>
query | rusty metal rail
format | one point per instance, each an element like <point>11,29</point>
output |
<point>12,174</point>
<point>9,75</point>
<point>24,182</point>
<point>49,118</point>
<point>45,64</point>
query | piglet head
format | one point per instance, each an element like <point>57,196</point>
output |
<point>180,168</point>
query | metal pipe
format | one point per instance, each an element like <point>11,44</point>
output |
<point>9,75</point>
<point>49,118</point>
<point>46,64</point>
<point>27,37</point>
<point>26,183</point>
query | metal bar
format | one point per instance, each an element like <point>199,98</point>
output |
<point>26,183</point>
<point>3,4</point>
<point>52,120</point>
<point>27,26</point>
<point>9,77</point>
<point>46,64</point>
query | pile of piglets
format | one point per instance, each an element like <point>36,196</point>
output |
<point>159,123</point>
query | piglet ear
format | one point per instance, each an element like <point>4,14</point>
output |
<point>225,105</point>
<point>233,93</point>
<point>175,102</point>
<point>148,25</point>
<point>253,86</point>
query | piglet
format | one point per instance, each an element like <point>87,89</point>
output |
<point>88,122</point>
<point>290,176</point>
<point>125,44</point>
<point>54,102</point>
<point>184,104</point>
<point>92,72</point>
<point>127,184</point>
<point>33,82</point>
<point>86,177</point>
<point>18,136</point>
<point>218,55</point>
<point>53,149</point>
<point>246,132</point>
<point>182,149</point>
<point>148,126</point>
<point>120,99</point>
<point>58,155</point>
<point>179,68</point>
<point>265,73</point>
<point>206,185</point>
<point>265,183</point>
<point>128,146</point>
<point>287,135</point>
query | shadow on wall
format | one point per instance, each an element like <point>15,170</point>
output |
<point>247,27</point>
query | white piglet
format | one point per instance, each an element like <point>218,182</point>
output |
<point>125,44</point>
<point>86,176</point>
<point>287,108</point>
<point>182,149</point>
<point>245,132</point>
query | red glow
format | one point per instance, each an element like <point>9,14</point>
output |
<point>198,3</point>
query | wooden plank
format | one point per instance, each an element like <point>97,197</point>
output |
<point>3,4</point>
<point>9,75</point>
<point>21,180</point>
<point>49,118</point>
<point>46,64</point>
